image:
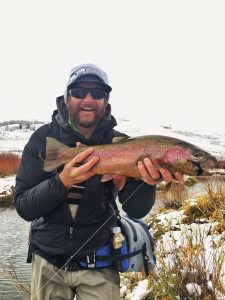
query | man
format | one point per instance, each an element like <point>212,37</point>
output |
<point>70,207</point>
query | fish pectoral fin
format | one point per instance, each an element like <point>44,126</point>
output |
<point>107,177</point>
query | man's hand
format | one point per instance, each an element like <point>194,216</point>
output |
<point>73,173</point>
<point>153,176</point>
<point>150,175</point>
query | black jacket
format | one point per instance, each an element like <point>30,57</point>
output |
<point>40,197</point>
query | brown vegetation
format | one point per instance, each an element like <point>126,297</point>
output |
<point>209,206</point>
<point>12,275</point>
<point>173,197</point>
<point>9,163</point>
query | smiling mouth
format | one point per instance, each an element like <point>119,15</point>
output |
<point>87,109</point>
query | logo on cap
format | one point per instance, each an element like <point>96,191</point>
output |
<point>77,73</point>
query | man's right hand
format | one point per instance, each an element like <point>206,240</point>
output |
<point>72,173</point>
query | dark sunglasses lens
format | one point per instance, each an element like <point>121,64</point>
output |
<point>79,93</point>
<point>98,94</point>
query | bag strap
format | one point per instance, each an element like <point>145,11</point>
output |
<point>117,257</point>
<point>112,199</point>
<point>145,259</point>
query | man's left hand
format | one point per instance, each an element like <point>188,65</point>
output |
<point>150,174</point>
<point>153,176</point>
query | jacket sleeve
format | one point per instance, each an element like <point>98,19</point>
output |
<point>36,193</point>
<point>137,198</point>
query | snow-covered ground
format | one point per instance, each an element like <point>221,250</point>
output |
<point>212,249</point>
<point>6,184</point>
<point>13,139</point>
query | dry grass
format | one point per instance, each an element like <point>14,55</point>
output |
<point>12,275</point>
<point>183,255</point>
<point>210,206</point>
<point>9,163</point>
<point>174,196</point>
<point>187,264</point>
<point>6,197</point>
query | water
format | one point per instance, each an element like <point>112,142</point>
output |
<point>13,250</point>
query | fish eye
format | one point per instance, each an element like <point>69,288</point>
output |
<point>198,154</point>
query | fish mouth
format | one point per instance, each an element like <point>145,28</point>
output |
<point>200,170</point>
<point>204,167</point>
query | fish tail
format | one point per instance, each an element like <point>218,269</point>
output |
<point>220,164</point>
<point>52,148</point>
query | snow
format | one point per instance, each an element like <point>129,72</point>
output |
<point>6,184</point>
<point>140,290</point>
<point>13,139</point>
<point>194,289</point>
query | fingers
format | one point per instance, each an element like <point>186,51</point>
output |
<point>166,175</point>
<point>88,165</point>
<point>80,157</point>
<point>179,177</point>
<point>73,173</point>
<point>153,176</point>
<point>145,174</point>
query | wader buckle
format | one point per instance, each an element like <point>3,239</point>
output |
<point>91,260</point>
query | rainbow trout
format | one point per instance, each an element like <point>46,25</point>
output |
<point>121,157</point>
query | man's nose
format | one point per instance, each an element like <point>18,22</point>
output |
<point>89,97</point>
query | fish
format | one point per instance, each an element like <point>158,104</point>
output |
<point>121,157</point>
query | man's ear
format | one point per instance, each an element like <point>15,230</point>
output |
<point>68,99</point>
<point>107,97</point>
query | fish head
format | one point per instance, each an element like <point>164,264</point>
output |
<point>190,160</point>
<point>204,161</point>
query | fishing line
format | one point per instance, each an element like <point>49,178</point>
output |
<point>114,212</point>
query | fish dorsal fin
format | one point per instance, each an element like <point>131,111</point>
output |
<point>118,139</point>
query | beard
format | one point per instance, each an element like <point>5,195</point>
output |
<point>86,119</point>
<point>81,122</point>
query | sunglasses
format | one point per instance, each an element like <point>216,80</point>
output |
<point>81,93</point>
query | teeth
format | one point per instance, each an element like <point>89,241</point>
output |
<point>88,108</point>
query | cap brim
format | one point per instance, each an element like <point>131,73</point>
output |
<point>94,79</point>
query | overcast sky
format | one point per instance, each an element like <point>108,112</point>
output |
<point>164,58</point>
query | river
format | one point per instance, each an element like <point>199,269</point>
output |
<point>13,250</point>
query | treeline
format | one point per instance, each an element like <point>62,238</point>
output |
<point>22,122</point>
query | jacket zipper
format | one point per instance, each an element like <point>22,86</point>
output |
<point>71,232</point>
